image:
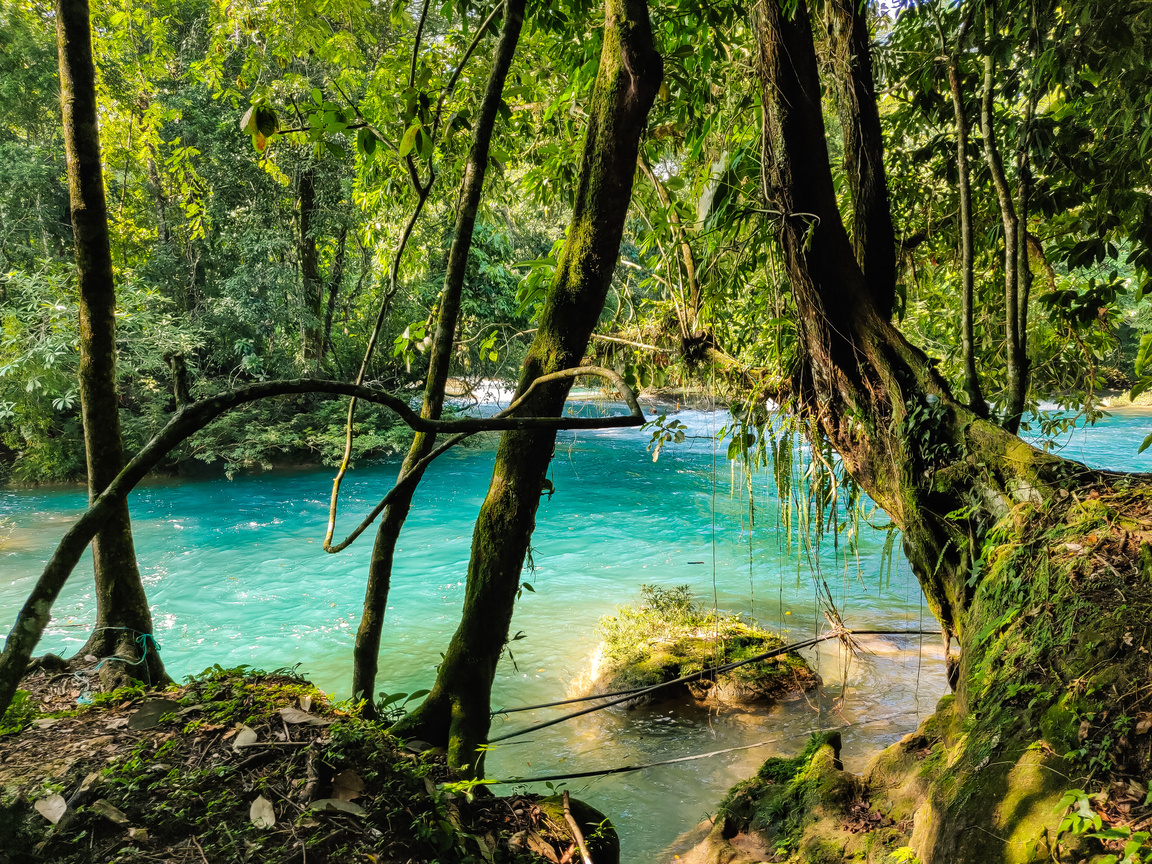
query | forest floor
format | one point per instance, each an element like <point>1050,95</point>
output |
<point>247,767</point>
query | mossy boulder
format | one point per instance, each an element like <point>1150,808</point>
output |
<point>670,636</point>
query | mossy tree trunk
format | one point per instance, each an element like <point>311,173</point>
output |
<point>1014,597</point>
<point>456,712</point>
<point>367,649</point>
<point>123,619</point>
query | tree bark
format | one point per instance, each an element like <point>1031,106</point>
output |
<point>456,712</point>
<point>1015,350</point>
<point>123,619</point>
<point>1016,598</point>
<point>367,649</point>
<point>873,237</point>
<point>967,241</point>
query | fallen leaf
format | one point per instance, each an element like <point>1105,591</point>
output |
<point>45,722</point>
<point>140,835</point>
<point>305,703</point>
<point>295,715</point>
<point>261,813</point>
<point>1143,724</point>
<point>52,808</point>
<point>116,723</point>
<point>430,787</point>
<point>1084,727</point>
<point>347,785</point>
<point>245,737</point>
<point>328,805</point>
<point>109,812</point>
<point>537,844</point>
<point>150,713</point>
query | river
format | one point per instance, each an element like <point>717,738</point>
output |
<point>236,575</point>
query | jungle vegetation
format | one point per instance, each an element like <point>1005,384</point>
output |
<point>910,228</point>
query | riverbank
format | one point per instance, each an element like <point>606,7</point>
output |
<point>241,764</point>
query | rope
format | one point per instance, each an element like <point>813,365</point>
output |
<point>142,639</point>
<point>625,769</point>
<point>626,695</point>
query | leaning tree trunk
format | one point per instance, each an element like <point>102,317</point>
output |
<point>367,650</point>
<point>456,712</point>
<point>1039,566</point>
<point>123,619</point>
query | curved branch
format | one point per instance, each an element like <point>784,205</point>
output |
<point>635,417</point>
<point>36,612</point>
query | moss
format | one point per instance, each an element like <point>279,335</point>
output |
<point>671,636</point>
<point>599,833</point>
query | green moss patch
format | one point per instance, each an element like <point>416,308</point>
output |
<point>240,766</point>
<point>670,636</point>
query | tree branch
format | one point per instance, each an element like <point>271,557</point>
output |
<point>37,609</point>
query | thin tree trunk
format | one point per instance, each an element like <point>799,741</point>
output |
<point>1016,360</point>
<point>123,619</point>
<point>687,258</point>
<point>967,240</point>
<point>367,649</point>
<point>334,280</point>
<point>456,712</point>
<point>313,285</point>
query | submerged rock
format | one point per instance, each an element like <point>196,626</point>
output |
<point>671,636</point>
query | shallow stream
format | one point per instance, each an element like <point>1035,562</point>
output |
<point>236,575</point>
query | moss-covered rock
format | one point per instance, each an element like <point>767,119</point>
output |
<point>670,636</point>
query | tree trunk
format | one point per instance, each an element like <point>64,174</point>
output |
<point>123,619</point>
<point>1015,350</point>
<point>1042,623</point>
<point>334,279</point>
<point>967,241</point>
<point>313,285</point>
<point>367,650</point>
<point>456,712</point>
<point>873,236</point>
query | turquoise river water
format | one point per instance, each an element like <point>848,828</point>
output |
<point>236,575</point>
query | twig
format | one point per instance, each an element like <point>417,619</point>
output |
<point>575,830</point>
<point>199,849</point>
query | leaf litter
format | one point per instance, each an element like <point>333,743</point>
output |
<point>241,769</point>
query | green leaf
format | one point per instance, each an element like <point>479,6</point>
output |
<point>248,121</point>
<point>317,96</point>
<point>527,586</point>
<point>366,142</point>
<point>1143,447</point>
<point>267,123</point>
<point>1142,355</point>
<point>409,140</point>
